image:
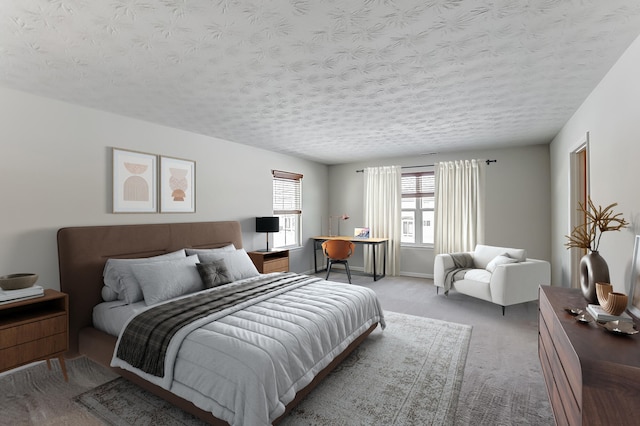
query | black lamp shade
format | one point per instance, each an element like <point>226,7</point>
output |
<point>267,224</point>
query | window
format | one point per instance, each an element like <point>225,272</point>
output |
<point>418,202</point>
<point>287,205</point>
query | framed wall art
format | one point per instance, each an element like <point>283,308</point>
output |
<point>135,177</point>
<point>177,185</point>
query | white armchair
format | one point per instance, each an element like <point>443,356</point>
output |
<point>501,275</point>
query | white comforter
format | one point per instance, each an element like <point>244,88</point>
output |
<point>246,363</point>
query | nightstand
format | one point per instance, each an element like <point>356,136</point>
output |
<point>270,261</point>
<point>34,329</point>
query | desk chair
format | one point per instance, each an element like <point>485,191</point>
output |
<point>338,251</point>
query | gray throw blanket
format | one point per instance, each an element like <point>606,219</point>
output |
<point>146,338</point>
<point>462,262</point>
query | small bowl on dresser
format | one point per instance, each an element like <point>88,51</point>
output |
<point>17,281</point>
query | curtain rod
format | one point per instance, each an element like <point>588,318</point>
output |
<point>428,165</point>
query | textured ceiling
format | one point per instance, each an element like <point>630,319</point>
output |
<point>332,81</point>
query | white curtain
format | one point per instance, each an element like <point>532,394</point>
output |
<point>383,213</point>
<point>459,206</point>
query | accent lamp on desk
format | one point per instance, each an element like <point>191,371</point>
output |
<point>267,224</point>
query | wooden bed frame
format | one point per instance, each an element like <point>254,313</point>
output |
<point>82,253</point>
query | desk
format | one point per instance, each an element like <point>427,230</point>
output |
<point>373,242</point>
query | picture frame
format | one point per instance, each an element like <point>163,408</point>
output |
<point>177,185</point>
<point>633,305</point>
<point>135,177</point>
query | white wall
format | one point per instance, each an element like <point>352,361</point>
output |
<point>610,116</point>
<point>518,202</point>
<point>55,169</point>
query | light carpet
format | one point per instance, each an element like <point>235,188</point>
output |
<point>408,374</point>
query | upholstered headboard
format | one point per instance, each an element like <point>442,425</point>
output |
<point>83,251</point>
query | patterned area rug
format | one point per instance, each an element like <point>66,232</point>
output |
<point>410,373</point>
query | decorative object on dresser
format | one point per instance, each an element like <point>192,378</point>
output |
<point>266,225</point>
<point>592,376</point>
<point>612,302</point>
<point>34,329</point>
<point>270,261</point>
<point>593,267</point>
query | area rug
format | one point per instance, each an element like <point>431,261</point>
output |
<point>408,374</point>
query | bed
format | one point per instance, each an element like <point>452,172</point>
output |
<point>83,252</point>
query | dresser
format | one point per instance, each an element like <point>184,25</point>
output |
<point>34,329</point>
<point>270,261</point>
<point>592,376</point>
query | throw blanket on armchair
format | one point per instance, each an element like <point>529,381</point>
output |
<point>462,262</point>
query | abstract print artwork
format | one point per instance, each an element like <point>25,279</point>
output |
<point>134,182</point>
<point>177,185</point>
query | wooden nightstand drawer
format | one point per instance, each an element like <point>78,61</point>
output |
<point>33,331</point>
<point>34,350</point>
<point>276,265</point>
<point>270,261</point>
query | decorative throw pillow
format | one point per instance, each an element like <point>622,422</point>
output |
<point>238,263</point>
<point>500,260</point>
<point>119,277</point>
<point>214,273</point>
<point>108,295</point>
<point>162,281</point>
<point>192,251</point>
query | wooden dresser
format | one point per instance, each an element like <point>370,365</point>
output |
<point>34,329</point>
<point>270,261</point>
<point>592,376</point>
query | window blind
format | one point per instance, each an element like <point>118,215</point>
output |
<point>287,190</point>
<point>419,184</point>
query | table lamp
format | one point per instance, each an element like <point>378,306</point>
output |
<point>268,224</point>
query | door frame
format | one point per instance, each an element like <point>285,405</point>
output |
<point>579,191</point>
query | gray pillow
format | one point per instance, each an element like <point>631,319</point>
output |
<point>238,263</point>
<point>162,281</point>
<point>214,273</point>
<point>108,295</point>
<point>120,279</point>
<point>192,251</point>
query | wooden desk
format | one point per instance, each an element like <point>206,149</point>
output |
<point>373,242</point>
<point>592,376</point>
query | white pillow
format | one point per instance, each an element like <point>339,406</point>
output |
<point>118,276</point>
<point>238,263</point>
<point>192,251</point>
<point>162,281</point>
<point>501,259</point>
<point>108,295</point>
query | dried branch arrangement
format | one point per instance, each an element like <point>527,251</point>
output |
<point>599,221</point>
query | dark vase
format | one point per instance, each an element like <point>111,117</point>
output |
<point>593,269</point>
